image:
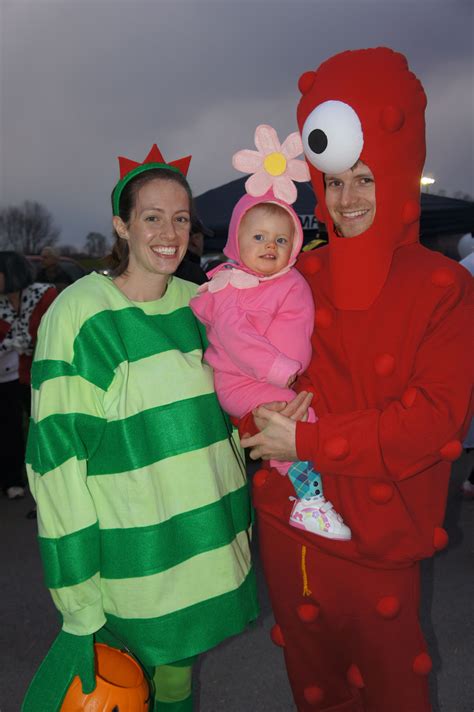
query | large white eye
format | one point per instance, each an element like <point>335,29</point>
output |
<point>332,137</point>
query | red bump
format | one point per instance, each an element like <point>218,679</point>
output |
<point>307,612</point>
<point>388,607</point>
<point>259,478</point>
<point>440,538</point>
<point>451,451</point>
<point>422,664</point>
<point>313,695</point>
<point>277,636</point>
<point>354,677</point>
<point>323,318</point>
<point>306,81</point>
<point>442,277</point>
<point>384,364</point>
<point>411,212</point>
<point>408,398</point>
<point>381,492</point>
<point>311,265</point>
<point>336,448</point>
<point>392,118</point>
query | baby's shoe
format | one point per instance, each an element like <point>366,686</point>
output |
<point>318,516</point>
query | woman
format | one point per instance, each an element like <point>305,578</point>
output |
<point>142,497</point>
<point>22,305</point>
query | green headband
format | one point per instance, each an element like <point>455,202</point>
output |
<point>135,172</point>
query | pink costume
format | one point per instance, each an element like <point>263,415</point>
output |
<point>259,328</point>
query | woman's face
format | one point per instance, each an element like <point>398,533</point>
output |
<point>158,230</point>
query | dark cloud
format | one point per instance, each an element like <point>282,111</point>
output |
<point>84,81</point>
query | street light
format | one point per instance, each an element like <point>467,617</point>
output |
<point>426,181</point>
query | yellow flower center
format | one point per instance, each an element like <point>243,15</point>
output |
<point>275,164</point>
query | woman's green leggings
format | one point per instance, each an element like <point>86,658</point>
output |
<point>173,692</point>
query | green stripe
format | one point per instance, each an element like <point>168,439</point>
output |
<point>128,444</point>
<point>188,631</point>
<point>142,551</point>
<point>72,558</point>
<point>111,337</point>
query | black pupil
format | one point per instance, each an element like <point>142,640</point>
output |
<point>317,141</point>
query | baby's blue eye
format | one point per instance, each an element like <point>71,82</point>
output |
<point>258,238</point>
<point>281,240</point>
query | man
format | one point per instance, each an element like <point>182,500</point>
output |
<point>391,375</point>
<point>51,272</point>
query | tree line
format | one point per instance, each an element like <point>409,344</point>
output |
<point>29,227</point>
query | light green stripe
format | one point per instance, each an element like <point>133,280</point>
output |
<point>71,559</point>
<point>212,573</point>
<point>110,337</point>
<point>162,490</point>
<point>128,444</point>
<point>126,553</point>
<point>193,630</point>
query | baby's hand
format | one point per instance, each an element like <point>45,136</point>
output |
<point>291,380</point>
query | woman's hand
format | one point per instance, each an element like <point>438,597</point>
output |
<point>297,409</point>
<point>277,440</point>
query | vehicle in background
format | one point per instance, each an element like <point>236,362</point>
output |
<point>73,269</point>
<point>212,259</point>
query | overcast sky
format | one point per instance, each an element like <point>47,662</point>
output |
<point>83,81</point>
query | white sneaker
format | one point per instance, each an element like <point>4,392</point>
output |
<point>15,492</point>
<point>318,516</point>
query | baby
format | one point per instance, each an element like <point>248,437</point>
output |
<point>259,315</point>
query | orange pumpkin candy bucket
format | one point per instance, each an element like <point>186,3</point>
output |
<point>121,685</point>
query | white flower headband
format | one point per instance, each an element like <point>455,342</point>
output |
<point>273,165</point>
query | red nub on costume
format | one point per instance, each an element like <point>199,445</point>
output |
<point>442,277</point>
<point>313,694</point>
<point>422,664</point>
<point>323,318</point>
<point>384,364</point>
<point>381,492</point>
<point>306,81</point>
<point>311,265</point>
<point>336,448</point>
<point>388,607</point>
<point>354,677</point>
<point>408,398</point>
<point>392,118</point>
<point>411,212</point>
<point>307,612</point>
<point>440,538</point>
<point>260,477</point>
<point>451,451</point>
<point>277,636</point>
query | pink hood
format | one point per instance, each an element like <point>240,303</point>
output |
<point>231,250</point>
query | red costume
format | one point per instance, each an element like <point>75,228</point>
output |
<point>392,375</point>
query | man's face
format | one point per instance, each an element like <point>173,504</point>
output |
<point>47,259</point>
<point>350,199</point>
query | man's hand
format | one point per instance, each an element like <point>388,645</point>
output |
<point>277,441</point>
<point>297,409</point>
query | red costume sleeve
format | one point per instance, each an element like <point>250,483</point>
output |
<point>424,425</point>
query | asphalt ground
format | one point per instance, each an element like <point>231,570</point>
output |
<point>246,673</point>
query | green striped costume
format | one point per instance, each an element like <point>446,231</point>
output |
<point>143,511</point>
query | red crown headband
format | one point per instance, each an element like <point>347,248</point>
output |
<point>129,169</point>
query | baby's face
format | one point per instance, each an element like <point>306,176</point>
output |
<point>265,240</point>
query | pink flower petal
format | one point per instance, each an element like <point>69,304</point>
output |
<point>258,184</point>
<point>297,170</point>
<point>266,139</point>
<point>247,161</point>
<point>285,189</point>
<point>292,146</point>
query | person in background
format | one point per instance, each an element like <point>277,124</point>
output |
<point>51,272</point>
<point>22,305</point>
<point>190,267</point>
<point>392,373</point>
<point>143,506</point>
